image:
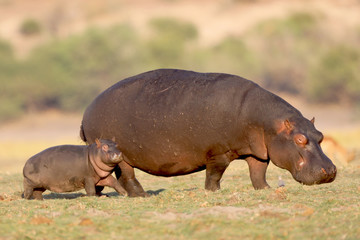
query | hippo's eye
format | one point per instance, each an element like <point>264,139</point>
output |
<point>300,139</point>
<point>321,138</point>
<point>105,148</point>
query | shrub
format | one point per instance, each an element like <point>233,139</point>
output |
<point>232,55</point>
<point>10,101</point>
<point>30,27</point>
<point>285,49</point>
<point>75,70</point>
<point>336,77</point>
<point>167,46</point>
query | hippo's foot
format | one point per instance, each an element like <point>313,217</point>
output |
<point>30,192</point>
<point>134,189</point>
<point>215,167</point>
<point>212,186</point>
<point>126,177</point>
<point>98,190</point>
<point>257,169</point>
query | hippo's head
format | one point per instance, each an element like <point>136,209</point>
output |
<point>295,146</point>
<point>108,152</point>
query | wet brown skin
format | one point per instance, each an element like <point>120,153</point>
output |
<point>172,122</point>
<point>69,168</point>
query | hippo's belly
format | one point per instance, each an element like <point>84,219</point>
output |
<point>164,162</point>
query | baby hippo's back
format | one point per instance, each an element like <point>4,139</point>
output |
<point>59,169</point>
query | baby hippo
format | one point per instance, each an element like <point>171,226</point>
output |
<point>70,168</point>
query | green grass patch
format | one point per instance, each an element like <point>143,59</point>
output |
<point>181,209</point>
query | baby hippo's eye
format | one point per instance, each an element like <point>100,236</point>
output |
<point>300,139</point>
<point>105,147</point>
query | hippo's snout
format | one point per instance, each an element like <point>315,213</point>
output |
<point>316,175</point>
<point>116,156</point>
<point>327,175</point>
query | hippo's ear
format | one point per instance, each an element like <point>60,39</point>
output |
<point>257,143</point>
<point>313,120</point>
<point>98,143</point>
<point>289,126</point>
<point>284,126</point>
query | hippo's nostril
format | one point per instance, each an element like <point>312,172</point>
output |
<point>333,173</point>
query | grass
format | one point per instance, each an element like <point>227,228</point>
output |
<point>181,209</point>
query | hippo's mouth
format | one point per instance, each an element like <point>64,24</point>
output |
<point>303,180</point>
<point>311,180</point>
<point>115,156</point>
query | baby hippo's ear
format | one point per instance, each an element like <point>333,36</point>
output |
<point>98,143</point>
<point>312,120</point>
<point>105,147</point>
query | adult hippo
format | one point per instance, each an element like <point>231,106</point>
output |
<point>170,122</point>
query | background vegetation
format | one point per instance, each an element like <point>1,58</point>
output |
<point>294,55</point>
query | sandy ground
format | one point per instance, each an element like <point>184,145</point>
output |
<point>48,126</point>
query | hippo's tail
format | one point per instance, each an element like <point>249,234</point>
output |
<point>82,133</point>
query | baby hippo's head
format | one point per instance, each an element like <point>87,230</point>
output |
<point>108,152</point>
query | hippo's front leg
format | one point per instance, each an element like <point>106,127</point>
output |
<point>257,170</point>
<point>90,186</point>
<point>110,181</point>
<point>215,167</point>
<point>126,177</point>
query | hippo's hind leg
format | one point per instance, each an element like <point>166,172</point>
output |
<point>126,177</point>
<point>31,191</point>
<point>28,189</point>
<point>257,170</point>
<point>215,167</point>
<point>37,194</point>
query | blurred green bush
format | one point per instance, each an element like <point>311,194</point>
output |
<point>286,49</point>
<point>168,44</point>
<point>30,27</point>
<point>10,101</point>
<point>292,54</point>
<point>336,76</point>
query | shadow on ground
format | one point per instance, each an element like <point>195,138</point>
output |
<point>77,195</point>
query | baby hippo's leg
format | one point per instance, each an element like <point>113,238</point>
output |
<point>110,181</point>
<point>37,194</point>
<point>90,187</point>
<point>98,190</point>
<point>28,189</point>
